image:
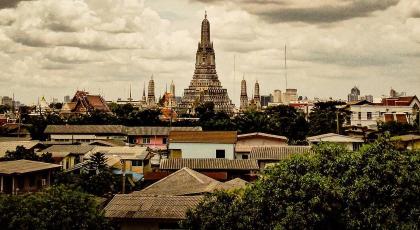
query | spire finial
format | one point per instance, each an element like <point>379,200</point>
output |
<point>151,78</point>
<point>205,14</point>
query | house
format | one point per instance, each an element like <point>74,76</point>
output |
<point>213,144</point>
<point>136,159</point>
<point>22,176</point>
<point>351,143</point>
<point>219,169</point>
<point>154,137</point>
<point>272,154</point>
<point>11,146</point>
<point>85,133</point>
<point>189,182</point>
<point>84,103</point>
<point>409,141</point>
<point>399,109</point>
<point>67,155</point>
<point>149,212</point>
<point>245,143</point>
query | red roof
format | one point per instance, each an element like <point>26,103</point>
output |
<point>398,101</point>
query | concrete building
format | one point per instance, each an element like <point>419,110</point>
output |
<point>354,95</point>
<point>247,141</point>
<point>399,109</point>
<point>351,143</point>
<point>277,96</point>
<point>7,101</point>
<point>85,133</point>
<point>212,144</point>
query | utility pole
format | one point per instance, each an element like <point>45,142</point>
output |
<point>338,123</point>
<point>123,177</point>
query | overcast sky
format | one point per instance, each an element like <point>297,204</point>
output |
<point>53,47</point>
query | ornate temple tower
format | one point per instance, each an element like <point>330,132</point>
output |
<point>257,97</point>
<point>244,96</point>
<point>172,89</point>
<point>151,100</point>
<point>205,85</point>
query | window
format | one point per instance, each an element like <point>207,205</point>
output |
<point>356,146</point>
<point>136,163</point>
<point>220,153</point>
<point>369,115</point>
<point>146,140</point>
<point>165,140</point>
<point>244,156</point>
<point>359,115</point>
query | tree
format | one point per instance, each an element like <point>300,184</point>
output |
<point>5,108</point>
<point>374,188</point>
<point>323,118</point>
<point>395,128</point>
<point>57,207</point>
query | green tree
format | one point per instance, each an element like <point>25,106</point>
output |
<point>323,117</point>
<point>4,108</point>
<point>396,128</point>
<point>54,208</point>
<point>374,188</point>
<point>98,179</point>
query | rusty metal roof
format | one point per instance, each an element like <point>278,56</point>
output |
<point>85,129</point>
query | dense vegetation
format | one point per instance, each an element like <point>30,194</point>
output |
<point>21,153</point>
<point>57,207</point>
<point>374,188</point>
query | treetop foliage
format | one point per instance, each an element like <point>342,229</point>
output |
<point>376,187</point>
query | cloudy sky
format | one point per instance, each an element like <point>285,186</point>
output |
<point>53,47</point>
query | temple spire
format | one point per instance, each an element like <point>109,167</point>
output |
<point>205,31</point>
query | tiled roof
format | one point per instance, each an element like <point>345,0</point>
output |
<point>159,131</point>
<point>277,152</point>
<point>333,137</point>
<point>209,163</point>
<point>131,206</point>
<point>221,137</point>
<point>250,135</point>
<point>85,129</point>
<point>182,182</point>
<point>11,146</point>
<point>24,166</point>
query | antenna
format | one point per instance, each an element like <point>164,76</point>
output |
<point>234,76</point>
<point>285,63</point>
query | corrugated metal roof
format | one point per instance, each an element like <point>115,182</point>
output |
<point>131,206</point>
<point>222,137</point>
<point>24,166</point>
<point>277,152</point>
<point>333,137</point>
<point>85,129</point>
<point>122,152</point>
<point>209,163</point>
<point>266,135</point>
<point>182,182</point>
<point>11,146</point>
<point>75,149</point>
<point>158,131</point>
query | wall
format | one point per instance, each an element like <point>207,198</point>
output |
<point>260,141</point>
<point>203,150</point>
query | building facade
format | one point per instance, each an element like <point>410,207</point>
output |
<point>205,85</point>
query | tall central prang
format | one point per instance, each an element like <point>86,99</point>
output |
<point>205,85</point>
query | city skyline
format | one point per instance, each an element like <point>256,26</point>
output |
<point>51,48</point>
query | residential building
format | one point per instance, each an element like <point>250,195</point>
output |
<point>85,133</point>
<point>67,155</point>
<point>199,144</point>
<point>151,212</point>
<point>10,146</point>
<point>189,182</point>
<point>22,176</point>
<point>154,137</point>
<point>245,143</point>
<point>399,109</point>
<point>219,169</point>
<point>351,143</point>
<point>267,155</point>
<point>410,141</point>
